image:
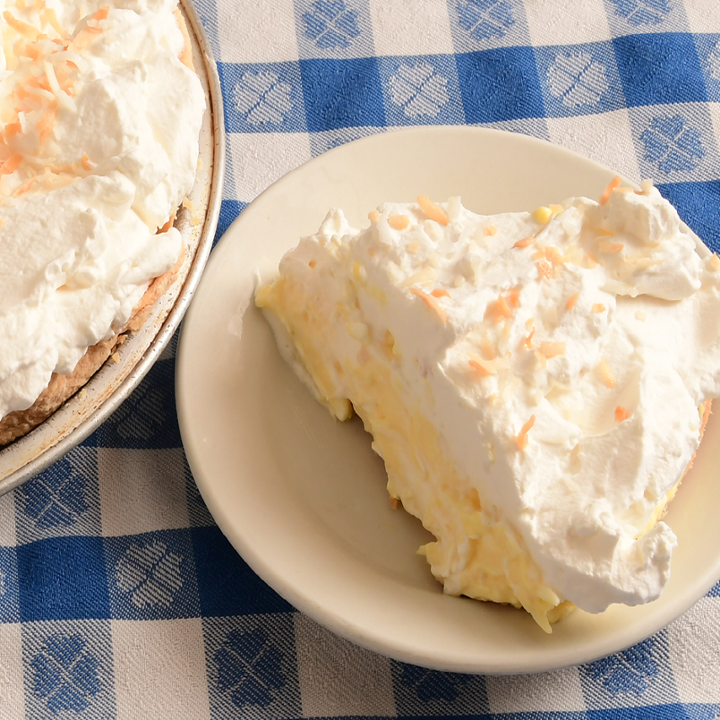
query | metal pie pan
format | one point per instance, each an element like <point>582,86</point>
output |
<point>79,416</point>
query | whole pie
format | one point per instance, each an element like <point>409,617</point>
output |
<point>100,113</point>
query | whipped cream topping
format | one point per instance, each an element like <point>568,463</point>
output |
<point>99,126</point>
<point>562,355</point>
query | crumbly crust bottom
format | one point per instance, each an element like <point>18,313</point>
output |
<point>62,387</point>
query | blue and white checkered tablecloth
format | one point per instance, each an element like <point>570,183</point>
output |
<point>120,598</point>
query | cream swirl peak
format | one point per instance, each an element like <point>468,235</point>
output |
<point>532,381</point>
<point>100,114</point>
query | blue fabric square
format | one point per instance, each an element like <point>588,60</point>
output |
<point>698,204</point>
<point>197,510</point>
<point>152,576</point>
<point>262,97</point>
<point>147,419</point>
<point>639,675</point>
<point>9,592</point>
<point>227,585</point>
<point>333,28</point>
<point>252,667</point>
<point>342,93</point>
<point>708,50</point>
<point>61,500</point>
<point>485,24</point>
<point>627,17</point>
<point>63,579</point>
<point>68,669</point>
<point>669,711</point>
<point>659,68</point>
<point>420,692</point>
<point>675,143</point>
<point>579,79</point>
<point>421,90</point>
<point>500,84</point>
<point>229,210</point>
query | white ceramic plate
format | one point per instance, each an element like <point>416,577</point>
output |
<point>302,497</point>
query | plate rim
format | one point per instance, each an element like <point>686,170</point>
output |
<point>335,621</point>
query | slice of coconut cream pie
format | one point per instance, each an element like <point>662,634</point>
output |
<point>536,384</point>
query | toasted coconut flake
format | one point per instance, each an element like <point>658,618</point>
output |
<point>10,165</point>
<point>498,309</point>
<point>101,14</point>
<point>482,367</point>
<point>21,27</point>
<point>398,222</point>
<point>572,300</point>
<point>614,183</point>
<point>552,349</point>
<point>373,216</point>
<point>608,247</point>
<point>554,255</point>
<point>440,292</point>
<point>527,342</point>
<point>529,323</point>
<point>542,360</point>
<point>312,264</point>
<point>598,308</point>
<point>490,230</point>
<point>433,210</point>
<point>714,262</point>
<point>607,233</point>
<point>544,269</point>
<point>524,242</point>
<point>431,302</point>
<point>513,297</point>
<point>606,374</point>
<point>621,414</point>
<point>522,437</point>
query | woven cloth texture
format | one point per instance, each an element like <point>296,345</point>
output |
<point>119,596</point>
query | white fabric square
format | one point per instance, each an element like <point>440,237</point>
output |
<point>160,670</point>
<point>408,27</point>
<point>694,648</point>
<point>141,490</point>
<point>605,138</point>
<point>257,32</point>
<point>7,519</point>
<point>338,678</point>
<point>703,15</point>
<point>558,691</point>
<point>259,159</point>
<point>12,698</point>
<point>567,22</point>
